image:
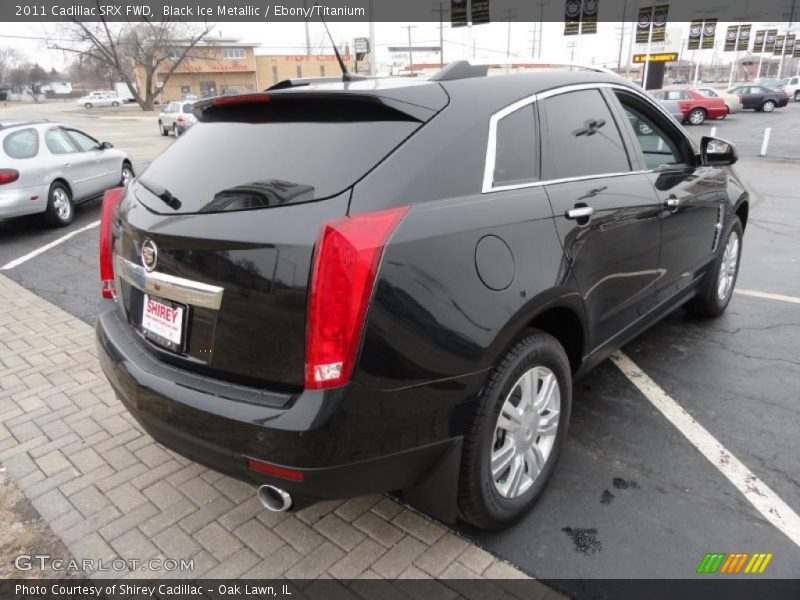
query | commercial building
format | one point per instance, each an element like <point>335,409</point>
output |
<point>223,66</point>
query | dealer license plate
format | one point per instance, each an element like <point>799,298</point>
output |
<point>163,322</point>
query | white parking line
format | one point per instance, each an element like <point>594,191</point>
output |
<point>768,295</point>
<point>767,502</point>
<point>22,259</point>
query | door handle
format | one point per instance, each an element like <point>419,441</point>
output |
<point>579,212</point>
<point>66,165</point>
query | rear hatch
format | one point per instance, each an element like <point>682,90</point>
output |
<point>230,214</point>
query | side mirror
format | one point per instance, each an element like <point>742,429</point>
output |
<point>716,152</point>
<point>106,145</point>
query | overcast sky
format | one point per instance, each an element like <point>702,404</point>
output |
<point>490,40</point>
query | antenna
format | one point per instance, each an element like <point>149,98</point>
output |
<point>346,75</point>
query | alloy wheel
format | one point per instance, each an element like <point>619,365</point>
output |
<point>769,106</point>
<point>727,269</point>
<point>525,432</point>
<point>62,204</point>
<point>696,117</point>
<point>127,175</point>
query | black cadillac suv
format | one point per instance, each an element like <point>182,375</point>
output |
<point>390,285</point>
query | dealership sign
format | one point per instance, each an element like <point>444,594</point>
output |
<point>660,57</point>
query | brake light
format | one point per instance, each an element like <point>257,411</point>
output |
<point>241,99</point>
<point>346,261</point>
<point>8,175</point>
<point>180,119</point>
<point>110,200</point>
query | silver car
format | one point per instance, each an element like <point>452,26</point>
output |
<point>49,167</point>
<point>176,117</point>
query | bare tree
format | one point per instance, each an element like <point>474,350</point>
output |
<point>9,58</point>
<point>150,47</point>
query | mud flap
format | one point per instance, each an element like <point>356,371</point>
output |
<point>437,494</point>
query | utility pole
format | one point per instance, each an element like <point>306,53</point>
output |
<point>442,11</point>
<point>410,53</point>
<point>621,35</point>
<point>373,48</point>
<point>630,40</point>
<point>541,26</point>
<point>308,30</point>
<point>571,47</point>
<point>510,14</point>
<point>533,42</point>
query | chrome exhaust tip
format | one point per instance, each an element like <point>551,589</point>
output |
<point>273,498</point>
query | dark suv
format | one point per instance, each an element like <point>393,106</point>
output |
<point>390,285</point>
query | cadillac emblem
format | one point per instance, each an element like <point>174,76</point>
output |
<point>149,254</point>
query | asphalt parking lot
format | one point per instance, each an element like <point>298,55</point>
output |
<point>633,496</point>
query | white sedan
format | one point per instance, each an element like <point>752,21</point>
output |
<point>732,100</point>
<point>48,168</point>
<point>100,99</point>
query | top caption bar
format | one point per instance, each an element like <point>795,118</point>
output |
<point>374,10</point>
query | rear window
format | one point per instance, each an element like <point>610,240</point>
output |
<point>187,108</point>
<point>225,166</point>
<point>22,144</point>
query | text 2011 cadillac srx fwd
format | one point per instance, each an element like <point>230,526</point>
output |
<point>389,285</point>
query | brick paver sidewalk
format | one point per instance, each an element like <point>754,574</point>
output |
<point>108,490</point>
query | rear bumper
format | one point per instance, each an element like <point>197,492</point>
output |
<point>22,201</point>
<point>346,442</point>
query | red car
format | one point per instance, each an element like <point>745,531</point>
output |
<point>694,107</point>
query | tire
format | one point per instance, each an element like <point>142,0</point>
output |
<point>164,130</point>
<point>60,209</point>
<point>696,116</point>
<point>797,96</point>
<point>127,174</point>
<point>494,501</point>
<point>712,300</point>
<point>768,106</point>
<point>115,104</point>
<point>88,105</point>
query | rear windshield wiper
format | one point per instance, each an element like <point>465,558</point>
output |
<point>162,194</point>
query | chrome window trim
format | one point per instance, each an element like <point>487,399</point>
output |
<point>491,146</point>
<point>170,287</point>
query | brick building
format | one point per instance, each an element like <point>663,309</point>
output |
<point>218,66</point>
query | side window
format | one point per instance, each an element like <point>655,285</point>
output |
<point>582,137</point>
<point>22,144</point>
<point>516,155</point>
<point>58,142</point>
<point>651,132</point>
<point>83,141</point>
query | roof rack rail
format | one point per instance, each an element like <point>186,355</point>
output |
<point>464,69</point>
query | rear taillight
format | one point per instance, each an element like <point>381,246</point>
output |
<point>110,200</point>
<point>180,119</point>
<point>8,175</point>
<point>741,100</point>
<point>346,261</point>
